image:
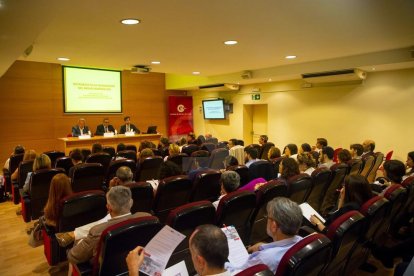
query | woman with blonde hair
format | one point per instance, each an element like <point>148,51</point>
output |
<point>28,155</point>
<point>173,150</point>
<point>306,163</point>
<point>41,161</point>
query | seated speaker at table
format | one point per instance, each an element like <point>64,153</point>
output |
<point>80,128</point>
<point>105,127</point>
<point>128,126</point>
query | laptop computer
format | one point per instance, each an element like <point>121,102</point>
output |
<point>152,130</point>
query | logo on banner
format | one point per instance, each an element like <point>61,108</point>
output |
<point>180,108</point>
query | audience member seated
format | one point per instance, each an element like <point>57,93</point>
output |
<point>326,158</point>
<point>250,155</point>
<point>97,147</point>
<point>80,129</point>
<point>163,146</point>
<point>77,158</point>
<point>369,146</point>
<point>394,170</point>
<point>320,143</point>
<point>208,248</point>
<point>173,150</point>
<point>274,153</point>
<point>355,192</point>
<point>119,204</point>
<point>344,156</point>
<point>191,139</point>
<point>291,150</point>
<point>288,168</point>
<point>169,168</point>
<point>306,163</point>
<point>230,182</point>
<point>124,175</point>
<point>409,164</point>
<point>305,147</point>
<point>236,150</point>
<point>284,218</point>
<point>230,161</point>
<point>198,164</point>
<point>120,147</point>
<point>263,140</point>
<point>41,161</point>
<point>28,155</point>
<point>145,153</point>
<point>356,151</point>
<point>60,187</point>
<point>19,149</point>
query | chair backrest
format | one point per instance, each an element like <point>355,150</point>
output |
<point>88,176</point>
<point>39,190</point>
<point>208,147</point>
<point>206,186</point>
<point>307,257</point>
<point>102,158</point>
<point>53,155</point>
<point>117,240</point>
<point>217,157</point>
<point>149,169</point>
<point>321,178</point>
<point>397,195</point>
<point>189,149</point>
<point>389,155</point>
<point>262,168</point>
<point>178,159</point>
<point>222,144</point>
<point>213,140</point>
<point>379,158</point>
<point>128,154</point>
<point>109,150</point>
<point>80,209</point>
<point>131,147</point>
<point>331,196</point>
<point>355,166</point>
<point>142,195</point>
<point>235,209</point>
<point>369,162</point>
<point>408,183</point>
<point>158,152</point>
<point>265,149</point>
<point>299,187</point>
<point>264,194</point>
<point>276,164</point>
<point>65,163</point>
<point>86,153</point>
<point>243,172</point>
<point>24,168</point>
<point>15,160</point>
<point>335,157</point>
<point>116,164</point>
<point>256,270</point>
<point>171,192</point>
<point>374,210</point>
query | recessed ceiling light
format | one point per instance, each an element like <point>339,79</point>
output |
<point>155,62</point>
<point>373,69</point>
<point>290,57</point>
<point>230,42</point>
<point>63,58</point>
<point>196,73</point>
<point>269,79</point>
<point>130,21</point>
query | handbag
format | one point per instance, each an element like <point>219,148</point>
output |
<point>36,236</point>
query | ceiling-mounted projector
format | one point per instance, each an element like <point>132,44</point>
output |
<point>140,69</point>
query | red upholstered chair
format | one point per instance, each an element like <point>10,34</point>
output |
<point>185,219</point>
<point>206,186</point>
<point>102,158</point>
<point>243,172</point>
<point>178,159</point>
<point>115,165</point>
<point>14,162</point>
<point>299,187</point>
<point>235,209</point>
<point>389,155</point>
<point>264,194</point>
<point>128,154</point>
<point>397,195</point>
<point>53,155</point>
<point>379,158</point>
<point>321,178</point>
<point>109,150</point>
<point>330,199</point>
<point>35,200</point>
<point>24,168</point>
<point>115,243</point>
<point>171,192</point>
<point>189,149</point>
<point>262,168</point>
<point>256,270</point>
<point>208,147</point>
<point>335,157</point>
<point>149,168</point>
<point>88,176</point>
<point>217,157</point>
<point>86,153</point>
<point>75,210</point>
<point>142,195</point>
<point>307,257</point>
<point>65,163</point>
<point>344,233</point>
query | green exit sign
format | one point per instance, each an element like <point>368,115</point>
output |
<point>256,97</point>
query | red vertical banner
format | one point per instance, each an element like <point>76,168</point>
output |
<point>180,109</point>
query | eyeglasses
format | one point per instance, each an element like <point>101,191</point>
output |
<point>268,217</point>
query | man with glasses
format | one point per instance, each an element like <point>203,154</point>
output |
<point>105,127</point>
<point>284,218</point>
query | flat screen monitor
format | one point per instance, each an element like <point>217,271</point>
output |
<point>152,130</point>
<point>214,109</point>
<point>89,90</point>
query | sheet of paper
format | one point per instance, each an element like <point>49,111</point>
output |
<point>179,269</point>
<point>154,183</point>
<point>308,211</point>
<point>237,252</point>
<point>159,250</point>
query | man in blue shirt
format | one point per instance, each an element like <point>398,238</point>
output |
<point>284,218</point>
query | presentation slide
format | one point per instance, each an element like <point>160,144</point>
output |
<point>92,90</point>
<point>213,109</point>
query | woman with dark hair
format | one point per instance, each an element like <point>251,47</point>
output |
<point>409,165</point>
<point>305,147</point>
<point>344,156</point>
<point>288,168</point>
<point>306,163</point>
<point>60,187</point>
<point>355,192</point>
<point>394,170</point>
<point>273,153</point>
<point>291,150</point>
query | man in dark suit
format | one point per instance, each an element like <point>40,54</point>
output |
<point>119,203</point>
<point>128,126</point>
<point>105,127</point>
<point>80,128</point>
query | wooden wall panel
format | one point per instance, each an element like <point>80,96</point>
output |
<point>31,105</point>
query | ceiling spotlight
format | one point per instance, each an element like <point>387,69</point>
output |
<point>196,73</point>
<point>290,57</point>
<point>230,42</point>
<point>63,58</point>
<point>269,79</point>
<point>155,62</point>
<point>130,21</point>
<point>373,68</point>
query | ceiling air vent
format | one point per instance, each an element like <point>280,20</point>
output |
<point>335,76</point>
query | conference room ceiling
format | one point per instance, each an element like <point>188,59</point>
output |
<point>188,35</point>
